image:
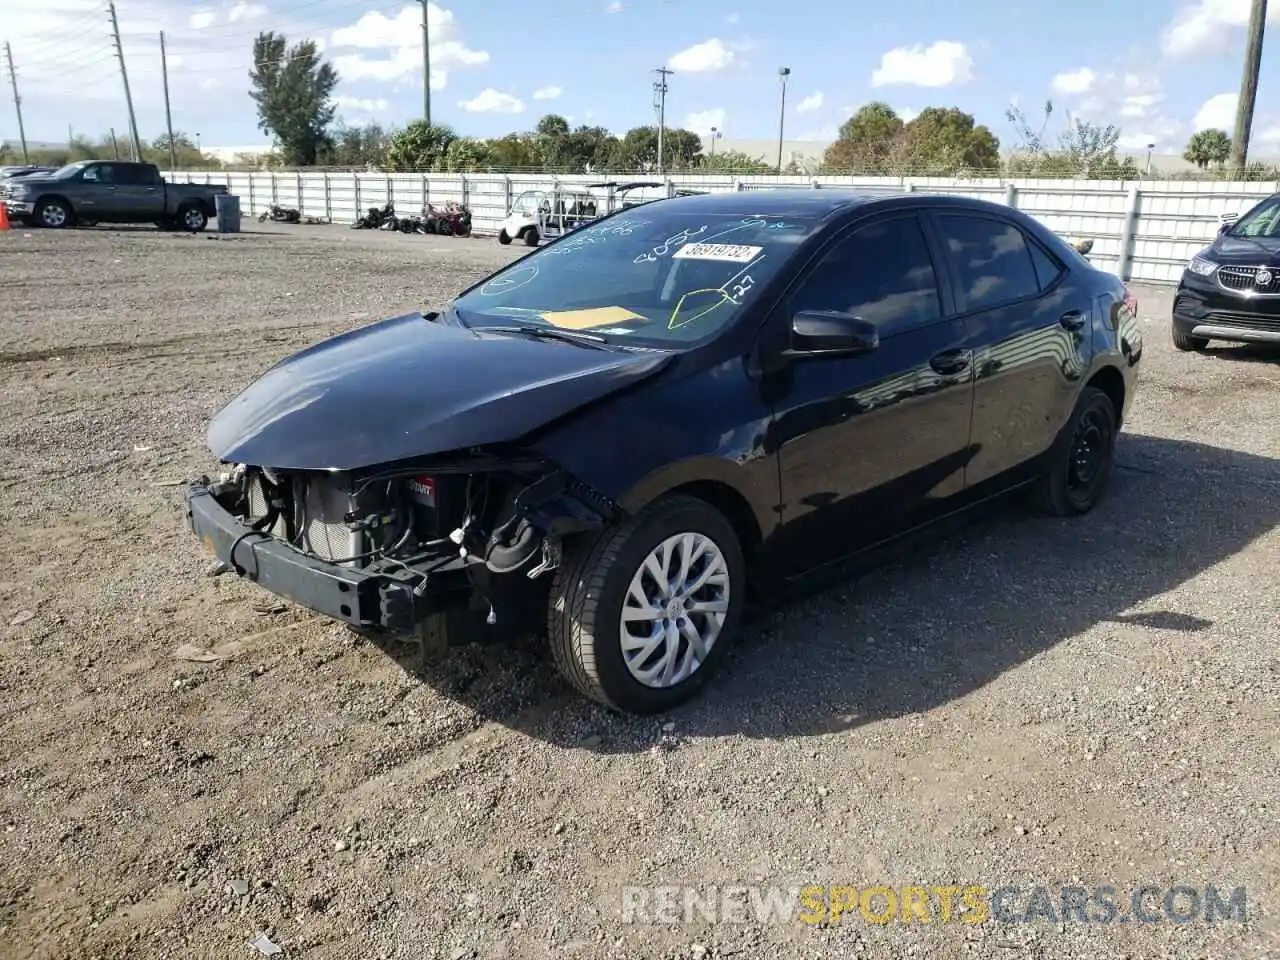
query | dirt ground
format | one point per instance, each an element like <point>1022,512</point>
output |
<point>1029,702</point>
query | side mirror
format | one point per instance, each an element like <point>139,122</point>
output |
<point>829,331</point>
<point>1225,220</point>
<point>1083,247</point>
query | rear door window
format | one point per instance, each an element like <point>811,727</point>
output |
<point>990,260</point>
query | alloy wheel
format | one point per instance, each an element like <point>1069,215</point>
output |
<point>674,610</point>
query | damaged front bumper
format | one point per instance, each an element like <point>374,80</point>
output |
<point>383,593</point>
<point>376,599</point>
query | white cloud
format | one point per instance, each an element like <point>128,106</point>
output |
<point>907,113</point>
<point>706,57</point>
<point>810,103</point>
<point>941,64</point>
<point>1074,81</point>
<point>246,11</point>
<point>201,19</point>
<point>357,104</point>
<point>1139,104</point>
<point>1268,135</point>
<point>401,39</point>
<point>1208,27</point>
<point>1217,113</point>
<point>731,18</point>
<point>547,93</point>
<point>492,101</point>
<point>702,121</point>
<point>614,7</point>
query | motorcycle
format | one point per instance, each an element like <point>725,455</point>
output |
<point>280,214</point>
<point>451,220</point>
<point>376,218</point>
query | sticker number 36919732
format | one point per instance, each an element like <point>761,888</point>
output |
<point>728,252</point>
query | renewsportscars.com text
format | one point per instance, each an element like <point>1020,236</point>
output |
<point>815,904</point>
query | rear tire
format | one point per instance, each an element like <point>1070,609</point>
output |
<point>604,579</point>
<point>1183,341</point>
<point>1079,464</point>
<point>192,217</point>
<point>530,237</point>
<point>504,238</point>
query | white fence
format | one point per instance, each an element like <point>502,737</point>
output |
<point>1144,231</point>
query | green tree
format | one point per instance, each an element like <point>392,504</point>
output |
<point>734,161</point>
<point>639,149</point>
<point>945,141</point>
<point>358,146</point>
<point>419,146</point>
<point>866,141</point>
<point>292,88</point>
<point>593,149</point>
<point>515,151</point>
<point>1206,147</point>
<point>464,155</point>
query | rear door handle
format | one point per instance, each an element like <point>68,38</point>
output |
<point>950,361</point>
<point>1072,319</point>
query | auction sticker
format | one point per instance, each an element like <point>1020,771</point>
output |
<point>728,252</point>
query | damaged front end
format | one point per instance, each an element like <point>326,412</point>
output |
<point>394,550</point>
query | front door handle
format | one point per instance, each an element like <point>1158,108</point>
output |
<point>950,361</point>
<point>1072,320</point>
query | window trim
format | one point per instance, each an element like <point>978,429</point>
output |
<point>937,214</point>
<point>782,310</point>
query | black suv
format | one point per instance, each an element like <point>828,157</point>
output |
<point>1231,289</point>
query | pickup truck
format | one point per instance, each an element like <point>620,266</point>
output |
<point>108,191</point>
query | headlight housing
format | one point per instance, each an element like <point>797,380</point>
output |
<point>18,190</point>
<point>1201,266</point>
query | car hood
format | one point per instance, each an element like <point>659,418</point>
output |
<point>30,180</point>
<point>1253,251</point>
<point>408,387</point>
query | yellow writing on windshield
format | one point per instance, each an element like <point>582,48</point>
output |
<point>675,322</point>
<point>590,317</point>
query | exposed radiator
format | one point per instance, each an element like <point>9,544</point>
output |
<point>324,531</point>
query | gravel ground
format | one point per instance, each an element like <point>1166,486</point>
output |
<point>1029,702</point>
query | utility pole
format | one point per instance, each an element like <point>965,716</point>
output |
<point>124,75</point>
<point>660,104</point>
<point>426,66</point>
<point>1248,85</point>
<point>168,116</point>
<point>783,73</point>
<point>17,101</point>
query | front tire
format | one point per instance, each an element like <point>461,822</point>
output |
<point>1079,463</point>
<point>530,237</point>
<point>53,214</point>
<point>640,615</point>
<point>1183,341</point>
<point>504,238</point>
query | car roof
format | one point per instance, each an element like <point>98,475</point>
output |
<point>821,203</point>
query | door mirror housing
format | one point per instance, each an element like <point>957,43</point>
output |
<point>1225,220</point>
<point>821,332</point>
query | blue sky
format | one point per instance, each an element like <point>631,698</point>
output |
<point>1157,68</point>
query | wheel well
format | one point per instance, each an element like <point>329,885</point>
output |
<point>1110,382</point>
<point>54,196</point>
<point>732,504</point>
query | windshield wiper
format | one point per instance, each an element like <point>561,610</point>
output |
<point>589,340</point>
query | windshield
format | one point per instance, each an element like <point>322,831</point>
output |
<point>651,277</point>
<point>70,169</point>
<point>1262,221</point>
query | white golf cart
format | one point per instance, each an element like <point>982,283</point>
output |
<point>538,215</point>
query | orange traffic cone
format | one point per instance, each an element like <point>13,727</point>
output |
<point>4,217</point>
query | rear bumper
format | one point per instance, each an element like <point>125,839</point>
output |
<point>1203,309</point>
<point>367,600</point>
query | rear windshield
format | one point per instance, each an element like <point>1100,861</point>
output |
<point>651,276</point>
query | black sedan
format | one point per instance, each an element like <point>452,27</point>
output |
<point>618,438</point>
<point>1231,289</point>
